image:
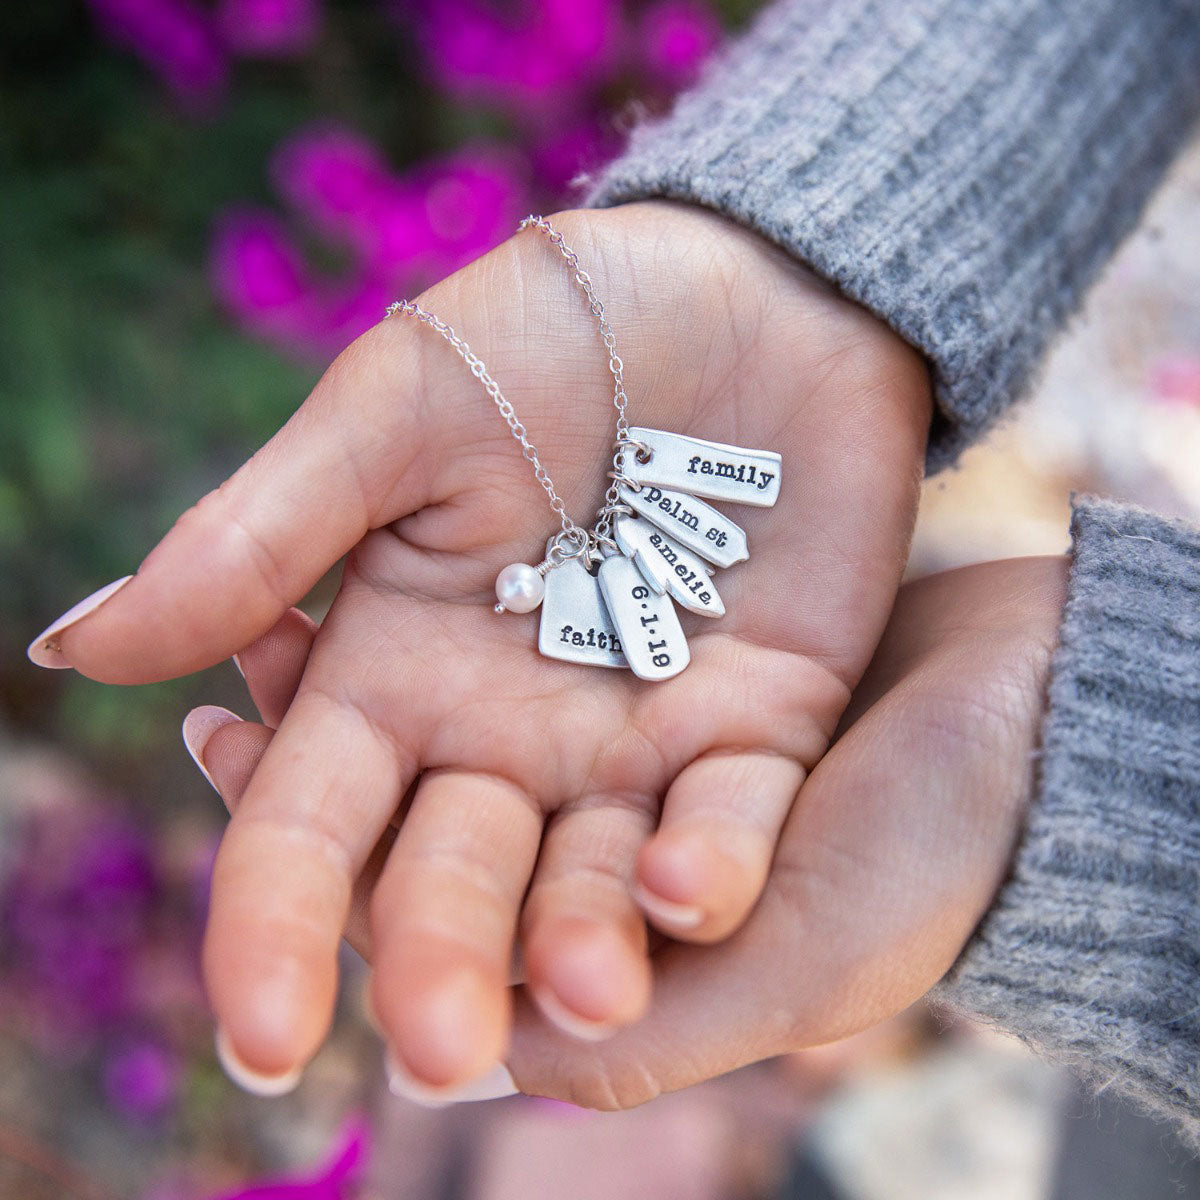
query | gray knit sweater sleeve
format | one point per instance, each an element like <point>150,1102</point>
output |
<point>963,168</point>
<point>1092,950</point>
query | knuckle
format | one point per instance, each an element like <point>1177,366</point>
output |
<point>613,1088</point>
<point>253,547</point>
<point>218,519</point>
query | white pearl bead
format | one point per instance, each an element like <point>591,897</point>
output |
<point>520,588</point>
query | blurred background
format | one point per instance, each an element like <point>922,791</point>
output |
<point>202,201</point>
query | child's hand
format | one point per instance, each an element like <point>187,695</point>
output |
<point>893,852</point>
<point>400,459</point>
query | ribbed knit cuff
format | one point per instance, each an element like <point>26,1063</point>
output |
<point>1092,949</point>
<point>963,168</point>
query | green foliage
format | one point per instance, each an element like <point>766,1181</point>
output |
<point>125,393</point>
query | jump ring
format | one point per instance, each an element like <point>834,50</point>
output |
<point>642,451</point>
<point>570,543</point>
<point>621,478</point>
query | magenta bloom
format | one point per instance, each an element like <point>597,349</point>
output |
<point>176,38</point>
<point>141,1080</point>
<point>400,237</point>
<point>521,57</point>
<point>261,276</point>
<point>336,1181</point>
<point>259,273</point>
<point>269,28</point>
<point>336,179</point>
<point>676,37</point>
<point>350,311</point>
<point>404,231</point>
<point>560,157</point>
<point>439,215</point>
<point>471,204</point>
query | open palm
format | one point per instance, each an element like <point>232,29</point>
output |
<point>528,787</point>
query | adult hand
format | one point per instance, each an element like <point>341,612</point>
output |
<point>895,849</point>
<point>534,783</point>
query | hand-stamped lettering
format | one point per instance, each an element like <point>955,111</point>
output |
<point>647,624</point>
<point>575,624</point>
<point>711,469</point>
<point>668,567</point>
<point>590,637</point>
<point>693,524</point>
<point>739,471</point>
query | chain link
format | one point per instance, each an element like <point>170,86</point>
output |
<point>574,540</point>
<point>505,408</point>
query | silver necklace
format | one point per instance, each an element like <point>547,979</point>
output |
<point>608,594</point>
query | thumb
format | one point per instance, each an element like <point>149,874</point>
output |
<point>715,1008</point>
<point>895,847</point>
<point>348,460</point>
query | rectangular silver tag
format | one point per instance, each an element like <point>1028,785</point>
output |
<point>647,625</point>
<point>691,523</point>
<point>575,624</point>
<point>711,469</point>
<point>669,567</point>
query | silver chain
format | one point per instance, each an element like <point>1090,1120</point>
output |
<point>573,540</point>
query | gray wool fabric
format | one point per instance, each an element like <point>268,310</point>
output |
<point>964,169</point>
<point>1092,949</point>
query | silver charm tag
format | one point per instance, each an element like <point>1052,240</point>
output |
<point>575,624</point>
<point>711,469</point>
<point>691,523</point>
<point>647,625</point>
<point>668,567</point>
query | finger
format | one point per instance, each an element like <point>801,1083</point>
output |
<point>584,939</point>
<point>714,1009</point>
<point>283,879</point>
<point>702,872</point>
<point>273,665</point>
<point>443,918</point>
<point>228,750</point>
<point>357,454</point>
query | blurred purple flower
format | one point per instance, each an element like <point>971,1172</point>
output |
<point>404,230</point>
<point>337,1181</point>
<point>335,178</point>
<point>561,156</point>
<point>675,38</point>
<point>176,38</point>
<point>515,55</point>
<point>141,1080</point>
<point>269,28</point>
<point>471,204</point>
<point>76,909</point>
<point>400,236</point>
<point>350,311</point>
<point>261,276</point>
<point>439,215</point>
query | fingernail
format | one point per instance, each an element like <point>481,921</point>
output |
<point>667,912</point>
<point>198,726</point>
<point>237,662</point>
<point>44,650</point>
<point>571,1023</point>
<point>249,1079</point>
<point>496,1083</point>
